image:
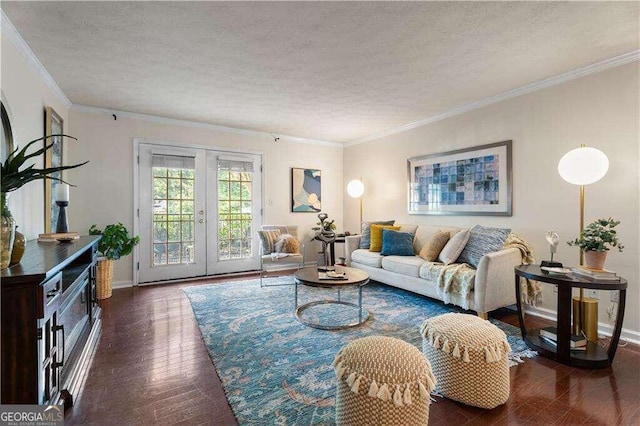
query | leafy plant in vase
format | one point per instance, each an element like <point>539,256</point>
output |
<point>596,239</point>
<point>14,177</point>
<point>115,243</point>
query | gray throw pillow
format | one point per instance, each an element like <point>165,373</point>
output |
<point>482,241</point>
<point>365,239</point>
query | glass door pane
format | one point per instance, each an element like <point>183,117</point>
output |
<point>237,192</point>
<point>173,215</point>
<point>171,189</point>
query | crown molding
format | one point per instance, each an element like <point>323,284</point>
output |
<point>23,48</point>
<point>597,67</point>
<point>201,125</point>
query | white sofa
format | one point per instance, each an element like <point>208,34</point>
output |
<point>494,285</point>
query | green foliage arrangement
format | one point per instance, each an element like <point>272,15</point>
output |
<point>115,242</point>
<point>327,226</point>
<point>598,236</point>
<point>13,178</point>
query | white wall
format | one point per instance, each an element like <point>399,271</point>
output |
<point>600,110</point>
<point>104,192</point>
<point>27,94</point>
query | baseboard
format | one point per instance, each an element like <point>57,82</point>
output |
<point>272,268</point>
<point>122,284</point>
<point>604,329</point>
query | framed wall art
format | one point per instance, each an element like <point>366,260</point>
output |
<point>306,190</point>
<point>470,181</point>
<point>53,158</point>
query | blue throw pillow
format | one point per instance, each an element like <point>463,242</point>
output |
<point>396,243</point>
<point>365,230</point>
<point>482,241</point>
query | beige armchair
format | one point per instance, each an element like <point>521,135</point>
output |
<point>272,259</point>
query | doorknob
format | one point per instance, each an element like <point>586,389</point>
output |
<point>201,221</point>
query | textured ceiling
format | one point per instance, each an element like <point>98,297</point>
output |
<point>335,71</point>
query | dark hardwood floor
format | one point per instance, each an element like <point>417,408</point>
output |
<point>151,367</point>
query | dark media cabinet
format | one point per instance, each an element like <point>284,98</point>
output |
<point>50,322</point>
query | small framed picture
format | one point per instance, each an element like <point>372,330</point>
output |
<point>306,190</point>
<point>470,181</point>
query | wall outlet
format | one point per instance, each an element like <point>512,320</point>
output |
<point>594,294</point>
<point>615,296</point>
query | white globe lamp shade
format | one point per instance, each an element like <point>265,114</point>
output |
<point>355,188</point>
<point>583,166</point>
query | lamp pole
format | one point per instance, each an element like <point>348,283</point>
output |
<point>582,166</point>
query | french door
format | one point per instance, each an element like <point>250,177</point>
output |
<point>198,210</point>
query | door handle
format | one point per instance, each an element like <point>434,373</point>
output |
<point>201,221</point>
<point>57,328</point>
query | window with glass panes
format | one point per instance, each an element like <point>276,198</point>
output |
<point>173,210</point>
<point>235,179</point>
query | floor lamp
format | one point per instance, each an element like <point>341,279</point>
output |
<point>355,189</point>
<point>583,166</point>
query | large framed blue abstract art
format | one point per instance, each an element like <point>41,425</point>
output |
<point>470,181</point>
<point>306,190</point>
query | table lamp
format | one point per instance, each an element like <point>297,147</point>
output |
<point>355,189</point>
<point>583,166</point>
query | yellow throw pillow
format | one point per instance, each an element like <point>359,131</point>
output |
<point>434,246</point>
<point>376,236</point>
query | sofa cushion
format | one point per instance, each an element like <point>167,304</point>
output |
<point>434,246</point>
<point>376,236</point>
<point>430,271</point>
<point>366,257</point>
<point>405,265</point>
<point>454,247</point>
<point>365,230</point>
<point>424,232</point>
<point>482,241</point>
<point>396,243</point>
<point>411,229</point>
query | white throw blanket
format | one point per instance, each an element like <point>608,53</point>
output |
<point>276,256</point>
<point>459,278</point>
<point>531,291</point>
<point>455,278</point>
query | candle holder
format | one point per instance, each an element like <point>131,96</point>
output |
<point>63,223</point>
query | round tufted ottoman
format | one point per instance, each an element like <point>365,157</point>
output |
<point>469,358</point>
<point>382,381</point>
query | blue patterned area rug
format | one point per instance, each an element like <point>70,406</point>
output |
<point>277,371</point>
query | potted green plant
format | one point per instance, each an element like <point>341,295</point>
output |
<point>596,239</point>
<point>14,177</point>
<point>115,243</point>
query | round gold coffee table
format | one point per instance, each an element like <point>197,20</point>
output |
<point>310,277</point>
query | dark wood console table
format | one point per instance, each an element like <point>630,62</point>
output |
<point>50,321</point>
<point>595,355</point>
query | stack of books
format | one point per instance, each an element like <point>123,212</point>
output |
<point>595,274</point>
<point>332,275</point>
<point>550,335</point>
<point>58,236</point>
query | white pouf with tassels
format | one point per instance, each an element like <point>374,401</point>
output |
<point>469,356</point>
<point>382,381</point>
